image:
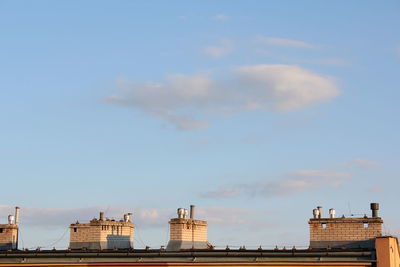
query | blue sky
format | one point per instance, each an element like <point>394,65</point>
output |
<point>255,111</point>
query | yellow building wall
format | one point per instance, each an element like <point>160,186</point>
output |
<point>387,252</point>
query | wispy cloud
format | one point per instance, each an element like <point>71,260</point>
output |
<point>235,217</point>
<point>362,164</point>
<point>221,17</point>
<point>48,218</point>
<point>223,192</point>
<point>62,217</point>
<point>327,61</point>
<point>376,189</point>
<point>292,183</point>
<point>275,41</point>
<point>220,50</point>
<point>397,51</point>
<point>274,88</point>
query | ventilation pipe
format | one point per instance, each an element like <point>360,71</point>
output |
<point>319,212</point>
<point>192,211</point>
<point>315,213</point>
<point>16,222</point>
<point>332,213</point>
<point>129,216</point>
<point>374,208</point>
<point>181,213</point>
<point>11,219</point>
<point>16,215</point>
<point>101,217</point>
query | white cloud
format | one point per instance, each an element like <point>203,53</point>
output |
<point>181,98</point>
<point>221,17</point>
<point>285,42</point>
<point>283,87</point>
<point>219,50</point>
<point>293,183</point>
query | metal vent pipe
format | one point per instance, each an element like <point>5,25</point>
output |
<point>375,208</point>
<point>192,211</point>
<point>315,213</point>
<point>320,212</point>
<point>10,219</point>
<point>16,215</point>
<point>332,213</point>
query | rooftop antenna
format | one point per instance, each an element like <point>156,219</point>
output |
<point>348,205</point>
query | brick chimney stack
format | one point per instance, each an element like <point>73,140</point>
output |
<point>187,233</point>
<point>345,232</point>
<point>9,232</point>
<point>102,233</point>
